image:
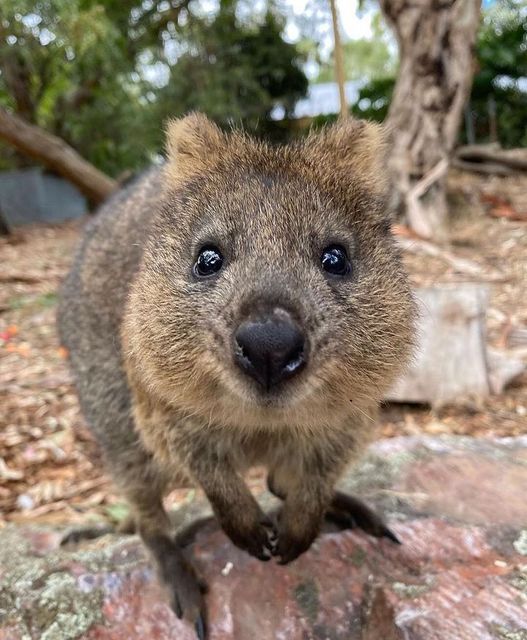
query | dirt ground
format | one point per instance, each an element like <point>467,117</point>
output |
<point>49,466</point>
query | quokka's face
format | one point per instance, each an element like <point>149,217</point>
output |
<point>273,282</point>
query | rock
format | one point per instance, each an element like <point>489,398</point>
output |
<point>458,504</point>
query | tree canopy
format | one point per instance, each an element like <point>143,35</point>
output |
<point>366,58</point>
<point>104,75</point>
<point>501,77</point>
<point>235,71</point>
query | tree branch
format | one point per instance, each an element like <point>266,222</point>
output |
<point>55,154</point>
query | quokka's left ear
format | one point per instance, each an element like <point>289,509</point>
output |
<point>353,148</point>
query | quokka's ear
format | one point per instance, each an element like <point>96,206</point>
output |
<point>353,148</point>
<point>192,143</point>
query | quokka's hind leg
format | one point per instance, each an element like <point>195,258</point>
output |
<point>177,574</point>
<point>346,511</point>
<point>185,589</point>
<point>187,535</point>
<point>79,534</point>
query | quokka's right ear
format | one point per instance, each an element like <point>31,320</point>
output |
<point>192,143</point>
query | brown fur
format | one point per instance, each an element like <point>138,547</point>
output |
<point>150,341</point>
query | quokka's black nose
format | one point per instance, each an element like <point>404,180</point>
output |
<point>270,349</point>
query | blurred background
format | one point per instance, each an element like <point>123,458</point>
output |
<point>85,89</point>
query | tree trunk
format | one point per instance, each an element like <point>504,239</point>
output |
<point>339,62</point>
<point>436,43</point>
<point>55,154</point>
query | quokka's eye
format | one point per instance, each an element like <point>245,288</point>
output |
<point>334,260</point>
<point>209,261</point>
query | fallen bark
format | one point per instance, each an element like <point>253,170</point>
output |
<point>491,156</point>
<point>488,168</point>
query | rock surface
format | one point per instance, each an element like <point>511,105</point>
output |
<point>459,505</point>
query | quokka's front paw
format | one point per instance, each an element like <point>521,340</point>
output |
<point>296,533</point>
<point>258,537</point>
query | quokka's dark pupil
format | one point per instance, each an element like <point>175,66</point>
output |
<point>209,261</point>
<point>335,260</point>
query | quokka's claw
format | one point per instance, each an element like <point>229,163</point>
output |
<point>388,533</point>
<point>200,627</point>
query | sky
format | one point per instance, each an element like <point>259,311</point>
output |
<point>352,26</point>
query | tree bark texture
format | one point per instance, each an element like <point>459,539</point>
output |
<point>436,46</point>
<point>56,155</point>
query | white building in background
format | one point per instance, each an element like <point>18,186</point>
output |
<point>321,99</point>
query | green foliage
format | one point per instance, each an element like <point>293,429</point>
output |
<point>105,74</point>
<point>502,61</point>
<point>372,104</point>
<point>364,58</point>
<point>374,99</point>
<point>235,72</point>
<point>64,67</point>
<point>502,41</point>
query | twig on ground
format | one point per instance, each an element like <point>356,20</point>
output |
<point>410,241</point>
<point>19,277</point>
